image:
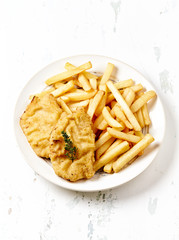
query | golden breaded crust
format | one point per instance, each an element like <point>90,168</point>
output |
<point>78,126</point>
<point>37,122</point>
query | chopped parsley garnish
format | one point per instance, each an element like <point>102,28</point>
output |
<point>70,149</point>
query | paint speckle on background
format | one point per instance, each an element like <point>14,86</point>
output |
<point>165,82</point>
<point>152,205</point>
<point>90,228</point>
<point>116,8</point>
<point>9,211</point>
<point>157,53</point>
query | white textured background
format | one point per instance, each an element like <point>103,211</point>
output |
<point>141,33</point>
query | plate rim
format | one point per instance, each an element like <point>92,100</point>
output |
<point>74,187</point>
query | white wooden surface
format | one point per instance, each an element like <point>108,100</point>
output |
<point>140,33</point>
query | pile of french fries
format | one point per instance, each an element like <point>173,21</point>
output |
<point>118,111</point>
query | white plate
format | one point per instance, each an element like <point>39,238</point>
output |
<point>99,181</point>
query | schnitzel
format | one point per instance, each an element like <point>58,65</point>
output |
<point>78,127</point>
<point>37,122</point>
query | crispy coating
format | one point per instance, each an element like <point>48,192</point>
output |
<point>37,122</point>
<point>78,126</point>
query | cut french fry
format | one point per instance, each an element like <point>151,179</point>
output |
<point>103,100</point>
<point>119,114</point>
<point>108,167</point>
<point>69,73</point>
<point>97,121</point>
<point>63,89</point>
<point>117,142</point>
<point>64,106</point>
<point>107,73</point>
<point>110,98</point>
<point>105,137</point>
<point>107,157</point>
<point>74,106</point>
<point>125,92</point>
<point>94,103</point>
<point>124,84</point>
<point>113,103</point>
<point>124,106</point>
<point>104,147</point>
<point>79,96</point>
<point>140,118</point>
<point>140,134</point>
<point>84,82</point>
<point>65,99</point>
<point>142,100</point>
<point>146,114</point>
<point>103,125</point>
<point>121,135</point>
<point>88,75</point>
<point>137,87</point>
<point>110,120</point>
<point>93,83</point>
<point>130,97</point>
<point>77,83</point>
<point>129,155</point>
<point>103,87</point>
<point>51,89</point>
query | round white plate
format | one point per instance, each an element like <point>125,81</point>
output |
<point>100,181</point>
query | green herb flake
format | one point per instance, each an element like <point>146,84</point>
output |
<point>70,149</point>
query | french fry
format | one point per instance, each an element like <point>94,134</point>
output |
<point>110,120</point>
<point>77,83</point>
<point>74,106</point>
<point>113,103</point>
<point>124,106</point>
<point>103,125</point>
<point>97,121</point>
<point>124,84</point>
<point>63,89</point>
<point>125,92</point>
<point>116,143</point>
<point>108,167</point>
<point>121,135</point>
<point>130,97</point>
<point>43,93</point>
<point>94,103</point>
<point>107,157</point>
<point>103,100</point>
<point>84,82</point>
<point>142,100</point>
<point>69,66</point>
<point>65,99</point>
<point>137,87</point>
<point>119,114</point>
<point>107,73</point>
<point>139,133</point>
<point>58,84</point>
<point>93,83</point>
<point>146,114</point>
<point>79,96</point>
<point>110,98</point>
<point>140,118</point>
<point>129,155</point>
<point>64,106</point>
<point>69,73</point>
<point>105,137</point>
<point>103,148</point>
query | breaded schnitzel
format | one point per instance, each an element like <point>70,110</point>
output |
<point>78,127</point>
<point>37,122</point>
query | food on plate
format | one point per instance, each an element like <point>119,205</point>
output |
<point>84,122</point>
<point>72,146</point>
<point>37,122</point>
